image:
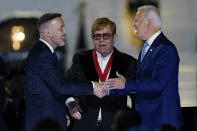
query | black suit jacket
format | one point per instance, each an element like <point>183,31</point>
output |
<point>83,69</point>
<point>2,98</point>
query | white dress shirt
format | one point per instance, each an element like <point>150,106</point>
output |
<point>103,63</point>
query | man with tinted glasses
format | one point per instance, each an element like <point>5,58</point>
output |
<point>98,64</point>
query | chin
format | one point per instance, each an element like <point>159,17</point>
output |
<point>61,44</point>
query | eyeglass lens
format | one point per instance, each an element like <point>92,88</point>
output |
<point>105,36</point>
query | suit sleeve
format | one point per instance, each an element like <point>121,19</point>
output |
<point>54,78</point>
<point>156,76</point>
<point>75,73</point>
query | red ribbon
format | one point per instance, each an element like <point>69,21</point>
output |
<point>102,76</point>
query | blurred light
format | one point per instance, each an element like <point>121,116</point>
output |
<point>17,37</point>
<point>20,36</point>
<point>16,46</point>
<point>16,29</point>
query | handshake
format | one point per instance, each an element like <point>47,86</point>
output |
<point>100,90</point>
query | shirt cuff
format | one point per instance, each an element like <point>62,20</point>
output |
<point>70,99</point>
<point>93,84</point>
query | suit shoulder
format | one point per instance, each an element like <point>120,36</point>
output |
<point>38,51</point>
<point>165,41</point>
<point>167,48</point>
<point>83,54</point>
<point>167,44</point>
<point>127,57</point>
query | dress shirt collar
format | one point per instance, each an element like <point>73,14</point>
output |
<point>99,56</point>
<point>103,61</point>
<point>46,43</point>
<point>153,37</point>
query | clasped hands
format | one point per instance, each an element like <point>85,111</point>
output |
<point>74,108</point>
<point>102,89</point>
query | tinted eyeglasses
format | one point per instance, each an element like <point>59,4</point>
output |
<point>105,36</point>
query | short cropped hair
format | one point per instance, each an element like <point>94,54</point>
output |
<point>99,23</point>
<point>46,18</point>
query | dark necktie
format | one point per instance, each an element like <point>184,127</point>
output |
<point>54,55</point>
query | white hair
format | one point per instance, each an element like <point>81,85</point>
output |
<point>152,12</point>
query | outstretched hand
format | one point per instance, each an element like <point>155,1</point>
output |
<point>116,83</point>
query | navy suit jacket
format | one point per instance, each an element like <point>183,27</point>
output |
<point>46,87</point>
<point>156,85</point>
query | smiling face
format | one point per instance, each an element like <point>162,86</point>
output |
<point>57,32</point>
<point>103,40</point>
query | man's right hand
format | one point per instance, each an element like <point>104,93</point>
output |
<point>75,110</point>
<point>116,83</point>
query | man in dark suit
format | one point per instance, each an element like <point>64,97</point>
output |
<point>45,84</point>
<point>156,79</point>
<point>91,113</point>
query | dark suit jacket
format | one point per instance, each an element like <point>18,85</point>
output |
<point>156,85</point>
<point>83,69</point>
<point>2,102</point>
<point>46,87</point>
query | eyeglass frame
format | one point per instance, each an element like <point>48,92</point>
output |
<point>102,36</point>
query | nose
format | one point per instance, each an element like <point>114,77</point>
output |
<point>101,38</point>
<point>134,25</point>
<point>65,31</point>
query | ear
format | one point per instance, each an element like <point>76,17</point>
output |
<point>48,32</point>
<point>149,21</point>
<point>114,37</point>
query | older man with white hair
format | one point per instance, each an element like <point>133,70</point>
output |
<point>156,78</point>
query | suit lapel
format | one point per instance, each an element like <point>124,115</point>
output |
<point>89,68</point>
<point>113,67</point>
<point>149,52</point>
<point>115,64</point>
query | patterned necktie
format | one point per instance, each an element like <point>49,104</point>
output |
<point>143,51</point>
